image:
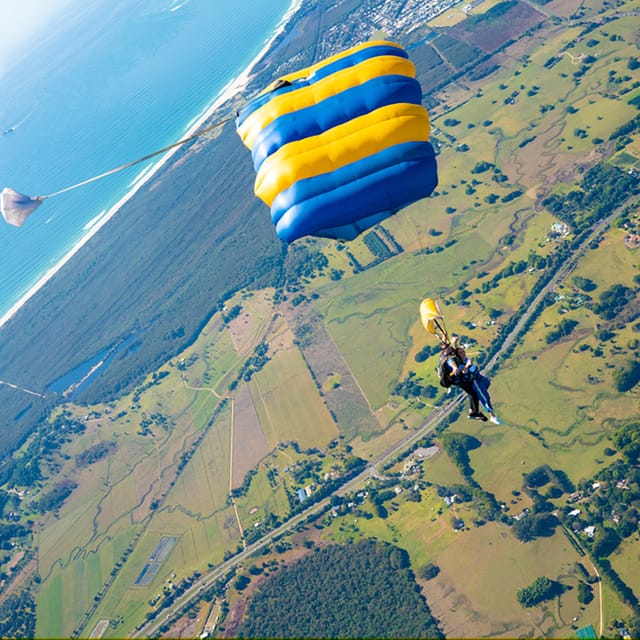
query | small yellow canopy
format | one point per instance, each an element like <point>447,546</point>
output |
<point>432,318</point>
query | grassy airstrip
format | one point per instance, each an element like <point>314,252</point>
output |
<point>180,437</point>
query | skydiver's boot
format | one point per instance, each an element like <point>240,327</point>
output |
<point>477,416</point>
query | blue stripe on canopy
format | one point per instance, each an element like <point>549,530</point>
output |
<point>338,109</point>
<point>339,204</point>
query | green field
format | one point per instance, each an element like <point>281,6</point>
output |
<point>626,560</point>
<point>261,500</point>
<point>417,527</point>
<point>480,569</point>
<point>289,399</point>
<point>501,565</point>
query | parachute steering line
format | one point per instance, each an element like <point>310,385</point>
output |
<point>17,207</point>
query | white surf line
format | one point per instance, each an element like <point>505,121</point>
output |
<point>15,386</point>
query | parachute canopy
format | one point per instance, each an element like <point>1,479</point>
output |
<point>432,319</point>
<point>16,207</point>
<point>341,145</point>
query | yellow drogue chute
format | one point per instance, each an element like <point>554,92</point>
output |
<point>433,320</point>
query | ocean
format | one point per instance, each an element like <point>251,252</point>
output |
<point>109,81</point>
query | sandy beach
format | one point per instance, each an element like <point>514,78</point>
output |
<point>233,88</point>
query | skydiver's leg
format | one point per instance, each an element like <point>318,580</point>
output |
<point>483,393</point>
<point>474,400</point>
<point>481,384</point>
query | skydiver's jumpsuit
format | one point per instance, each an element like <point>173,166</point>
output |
<point>472,383</point>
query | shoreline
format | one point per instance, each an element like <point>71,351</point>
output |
<point>231,89</point>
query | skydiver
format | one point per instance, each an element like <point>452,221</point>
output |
<point>456,368</point>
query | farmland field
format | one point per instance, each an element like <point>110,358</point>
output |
<point>482,591</point>
<point>417,527</point>
<point>625,562</point>
<point>262,499</point>
<point>203,486</point>
<point>249,442</point>
<point>292,407</point>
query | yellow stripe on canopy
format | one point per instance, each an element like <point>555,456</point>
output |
<point>341,145</point>
<point>307,71</point>
<point>316,92</point>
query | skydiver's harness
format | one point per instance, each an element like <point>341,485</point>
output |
<point>445,372</point>
<point>472,377</point>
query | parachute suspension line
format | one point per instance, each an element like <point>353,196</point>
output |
<point>441,331</point>
<point>16,207</point>
<point>421,240</point>
<point>193,136</point>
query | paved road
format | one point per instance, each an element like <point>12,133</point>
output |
<point>152,629</point>
<point>562,273</point>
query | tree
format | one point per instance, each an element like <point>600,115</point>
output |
<point>628,376</point>
<point>534,525</point>
<point>341,591</point>
<point>626,440</point>
<point>585,593</point>
<point>457,446</point>
<point>541,589</point>
<point>605,543</point>
<point>565,327</point>
<point>584,283</point>
<point>242,582</point>
<point>537,477</point>
<point>613,300</point>
<point>429,571</point>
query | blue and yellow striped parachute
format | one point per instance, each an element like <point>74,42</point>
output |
<point>341,145</point>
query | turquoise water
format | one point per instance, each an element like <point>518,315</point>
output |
<point>110,81</point>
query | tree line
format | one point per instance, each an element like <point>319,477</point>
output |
<point>359,590</point>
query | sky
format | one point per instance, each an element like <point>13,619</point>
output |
<point>22,22</point>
